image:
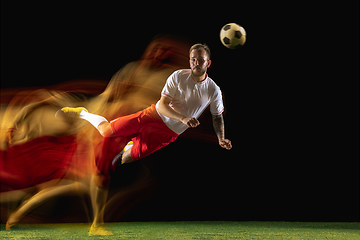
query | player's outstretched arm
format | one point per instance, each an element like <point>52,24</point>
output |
<point>166,110</point>
<point>219,127</point>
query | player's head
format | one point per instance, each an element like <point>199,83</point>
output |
<point>199,59</point>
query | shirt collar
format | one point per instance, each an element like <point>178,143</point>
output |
<point>203,81</point>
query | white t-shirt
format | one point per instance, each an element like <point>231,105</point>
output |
<point>190,98</point>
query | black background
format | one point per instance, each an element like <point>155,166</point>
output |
<point>291,97</point>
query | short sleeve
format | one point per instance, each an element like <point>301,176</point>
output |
<point>171,86</point>
<point>217,106</point>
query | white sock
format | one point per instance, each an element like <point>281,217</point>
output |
<point>94,119</point>
<point>127,147</point>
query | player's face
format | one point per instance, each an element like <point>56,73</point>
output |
<point>199,62</point>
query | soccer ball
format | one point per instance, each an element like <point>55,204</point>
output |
<point>232,35</point>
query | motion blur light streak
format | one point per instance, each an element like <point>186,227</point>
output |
<point>43,157</point>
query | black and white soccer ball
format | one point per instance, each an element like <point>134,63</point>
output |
<point>232,35</point>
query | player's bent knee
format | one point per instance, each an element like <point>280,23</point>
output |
<point>105,129</point>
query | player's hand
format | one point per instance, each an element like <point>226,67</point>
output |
<point>225,143</point>
<point>190,122</point>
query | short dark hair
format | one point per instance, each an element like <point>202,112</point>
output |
<point>201,46</point>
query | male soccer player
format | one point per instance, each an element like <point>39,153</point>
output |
<point>186,94</point>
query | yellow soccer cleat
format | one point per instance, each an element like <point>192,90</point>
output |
<point>71,112</point>
<point>99,231</point>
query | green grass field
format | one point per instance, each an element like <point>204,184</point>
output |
<point>189,230</point>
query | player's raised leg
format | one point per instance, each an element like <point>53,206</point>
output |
<point>99,122</point>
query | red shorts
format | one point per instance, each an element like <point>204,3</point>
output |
<point>146,129</point>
